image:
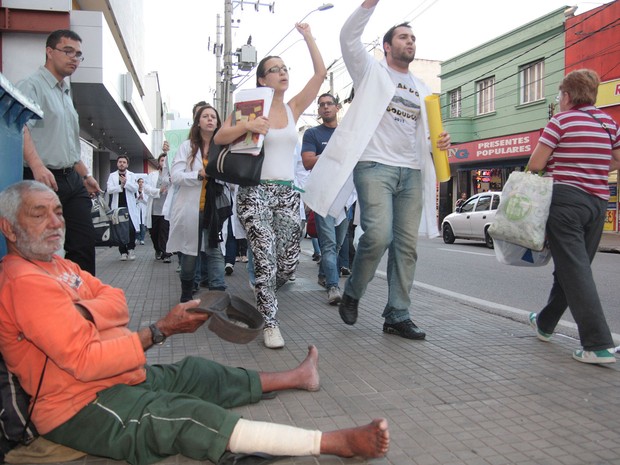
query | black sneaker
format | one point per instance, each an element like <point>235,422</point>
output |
<point>406,329</point>
<point>316,257</point>
<point>348,309</point>
<point>344,271</point>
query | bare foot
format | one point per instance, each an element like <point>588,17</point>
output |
<point>308,370</point>
<point>368,441</point>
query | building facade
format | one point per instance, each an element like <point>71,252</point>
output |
<point>497,97</point>
<point>119,105</point>
<point>495,100</point>
<point>593,41</point>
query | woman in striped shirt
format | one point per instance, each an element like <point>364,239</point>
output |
<point>578,148</point>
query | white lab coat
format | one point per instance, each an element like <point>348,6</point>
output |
<point>131,187</point>
<point>153,193</point>
<point>183,202</point>
<point>142,204</point>
<point>331,182</point>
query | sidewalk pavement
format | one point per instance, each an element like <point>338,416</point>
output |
<point>480,390</point>
<point>610,242</point>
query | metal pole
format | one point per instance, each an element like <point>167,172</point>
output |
<point>227,93</point>
<point>218,68</point>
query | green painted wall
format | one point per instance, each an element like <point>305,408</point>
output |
<point>502,58</point>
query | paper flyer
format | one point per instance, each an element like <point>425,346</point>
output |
<point>440,157</point>
<point>250,104</point>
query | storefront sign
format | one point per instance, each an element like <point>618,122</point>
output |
<point>608,93</point>
<point>516,145</point>
<point>612,208</point>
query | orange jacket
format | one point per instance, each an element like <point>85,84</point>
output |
<point>38,318</point>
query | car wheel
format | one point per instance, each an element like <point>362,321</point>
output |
<point>488,239</point>
<point>448,235</point>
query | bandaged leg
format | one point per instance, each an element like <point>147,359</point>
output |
<point>257,436</point>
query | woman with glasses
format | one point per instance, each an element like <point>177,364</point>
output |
<point>269,212</point>
<point>578,148</point>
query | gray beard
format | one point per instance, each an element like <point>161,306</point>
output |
<point>32,249</point>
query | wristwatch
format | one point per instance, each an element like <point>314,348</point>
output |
<point>157,336</point>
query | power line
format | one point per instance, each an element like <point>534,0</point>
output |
<point>545,58</point>
<point>534,48</point>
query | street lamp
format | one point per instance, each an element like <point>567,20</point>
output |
<point>323,7</point>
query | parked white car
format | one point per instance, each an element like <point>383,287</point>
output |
<point>472,219</point>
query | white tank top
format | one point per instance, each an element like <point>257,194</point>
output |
<point>280,144</point>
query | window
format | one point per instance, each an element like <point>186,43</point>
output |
<point>484,202</point>
<point>469,206</point>
<point>532,82</point>
<point>495,203</point>
<point>455,103</point>
<point>485,90</point>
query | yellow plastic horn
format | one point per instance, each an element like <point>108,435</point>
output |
<point>440,157</point>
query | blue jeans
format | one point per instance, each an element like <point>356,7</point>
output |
<point>140,234</point>
<point>390,199</point>
<point>315,246</point>
<point>343,255</point>
<point>211,263</point>
<point>330,240</point>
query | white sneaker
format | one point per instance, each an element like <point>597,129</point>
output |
<point>595,356</point>
<point>273,338</point>
<point>132,255</point>
<point>334,296</point>
<point>539,334</point>
<point>123,257</point>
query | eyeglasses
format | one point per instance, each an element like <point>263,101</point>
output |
<point>72,54</point>
<point>277,69</point>
<point>559,96</point>
<point>326,104</point>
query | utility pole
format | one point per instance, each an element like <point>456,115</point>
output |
<point>219,104</point>
<point>246,55</point>
<point>228,88</point>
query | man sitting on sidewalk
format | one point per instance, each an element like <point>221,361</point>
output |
<point>65,336</point>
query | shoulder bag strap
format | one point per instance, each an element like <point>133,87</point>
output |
<point>603,125</point>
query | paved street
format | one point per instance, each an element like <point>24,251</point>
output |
<point>481,390</point>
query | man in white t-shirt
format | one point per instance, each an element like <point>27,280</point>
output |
<point>389,177</point>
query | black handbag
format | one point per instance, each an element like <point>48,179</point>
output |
<point>243,169</point>
<point>111,227</point>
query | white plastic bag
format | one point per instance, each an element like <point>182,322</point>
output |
<point>522,214</point>
<point>516,255</point>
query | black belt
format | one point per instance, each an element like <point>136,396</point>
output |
<point>62,171</point>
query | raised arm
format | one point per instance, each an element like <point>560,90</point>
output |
<point>304,98</point>
<point>355,56</point>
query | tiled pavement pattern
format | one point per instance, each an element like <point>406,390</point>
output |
<point>481,390</point>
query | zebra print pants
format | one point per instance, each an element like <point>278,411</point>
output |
<point>270,215</point>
